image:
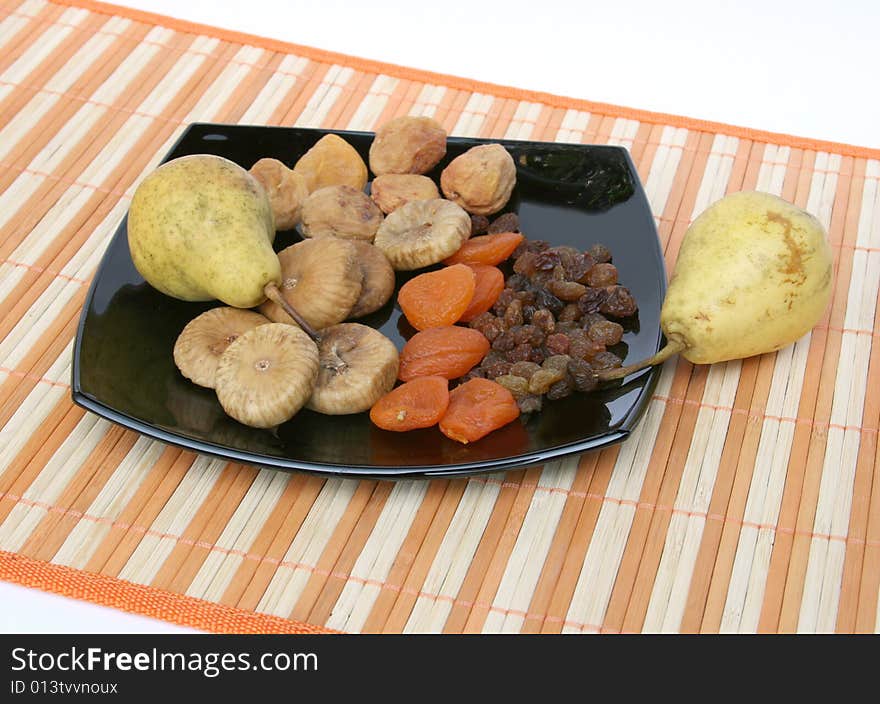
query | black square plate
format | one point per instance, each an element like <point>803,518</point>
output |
<point>571,194</point>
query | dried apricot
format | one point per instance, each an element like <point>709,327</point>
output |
<point>489,285</point>
<point>437,298</point>
<point>476,408</point>
<point>449,352</point>
<point>486,249</point>
<point>419,403</point>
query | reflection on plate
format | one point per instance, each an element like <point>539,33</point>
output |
<point>566,194</point>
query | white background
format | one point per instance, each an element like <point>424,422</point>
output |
<point>805,68</point>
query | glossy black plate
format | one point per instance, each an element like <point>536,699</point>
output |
<point>566,193</point>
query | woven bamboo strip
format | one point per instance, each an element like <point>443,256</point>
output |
<point>742,176</point>
<point>22,27</point>
<point>682,195</point>
<point>118,539</point>
<point>252,577</point>
<point>394,607</point>
<point>251,514</point>
<point>528,557</point>
<point>82,538</point>
<point>819,606</point>
<point>188,554</point>
<point>340,555</point>
<point>53,530</point>
<point>27,91</point>
<point>810,487</point>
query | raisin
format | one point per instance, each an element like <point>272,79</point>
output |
<point>530,335</point>
<point>560,389</point>
<point>567,327</point>
<point>618,302</point>
<point>570,313</point>
<point>513,314</point>
<point>493,357</point>
<point>537,355</point>
<point>525,296</point>
<point>505,298</point>
<point>600,253</point>
<point>481,321</point>
<point>542,380</point>
<point>547,261</point>
<point>606,332</point>
<point>520,353</point>
<point>580,267</point>
<point>590,319</point>
<point>529,312</point>
<point>475,373</point>
<point>558,362</point>
<point>517,282</point>
<point>547,300</point>
<point>592,300</point>
<point>566,290</point>
<point>543,320</point>
<point>583,375</point>
<point>605,360</point>
<point>558,343</point>
<point>509,222</point>
<point>529,404</point>
<point>493,371</point>
<point>602,275</point>
<point>516,385</point>
<point>585,348</point>
<point>479,224</point>
<point>504,342</point>
<point>524,369</point>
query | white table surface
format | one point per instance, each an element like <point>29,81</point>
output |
<point>800,67</point>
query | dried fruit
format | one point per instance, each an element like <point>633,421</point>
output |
<point>476,408</point>
<point>486,249</point>
<point>422,232</point>
<point>340,211</point>
<point>286,189</point>
<point>267,375</point>
<point>481,180</point>
<point>488,286</point>
<point>509,222</point>
<point>479,224</point>
<point>390,191</point>
<point>205,338</point>
<point>602,275</point>
<point>357,366</point>
<point>419,403</point>
<point>320,278</point>
<point>378,279</point>
<point>606,332</point>
<point>449,352</point>
<point>332,162</point>
<point>407,145</point>
<point>437,298</point>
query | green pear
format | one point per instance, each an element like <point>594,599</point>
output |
<point>753,275</point>
<point>200,227</point>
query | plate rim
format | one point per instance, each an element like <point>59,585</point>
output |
<point>611,437</point>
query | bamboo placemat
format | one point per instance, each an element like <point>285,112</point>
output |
<point>748,499</point>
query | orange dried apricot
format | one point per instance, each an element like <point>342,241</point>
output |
<point>490,284</point>
<point>450,352</point>
<point>476,408</point>
<point>437,298</point>
<point>486,249</point>
<point>419,403</point>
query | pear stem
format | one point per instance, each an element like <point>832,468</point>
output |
<point>671,348</point>
<point>273,293</point>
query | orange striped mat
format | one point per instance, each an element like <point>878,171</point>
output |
<point>748,499</point>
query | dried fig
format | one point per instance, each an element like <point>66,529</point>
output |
<point>286,190</point>
<point>340,211</point>
<point>480,180</point>
<point>390,191</point>
<point>407,145</point>
<point>332,162</point>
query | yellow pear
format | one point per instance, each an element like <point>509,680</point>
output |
<point>200,227</point>
<point>753,275</point>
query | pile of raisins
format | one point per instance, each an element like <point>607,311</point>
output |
<point>553,322</point>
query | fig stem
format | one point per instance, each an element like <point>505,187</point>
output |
<point>671,348</point>
<point>273,293</point>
